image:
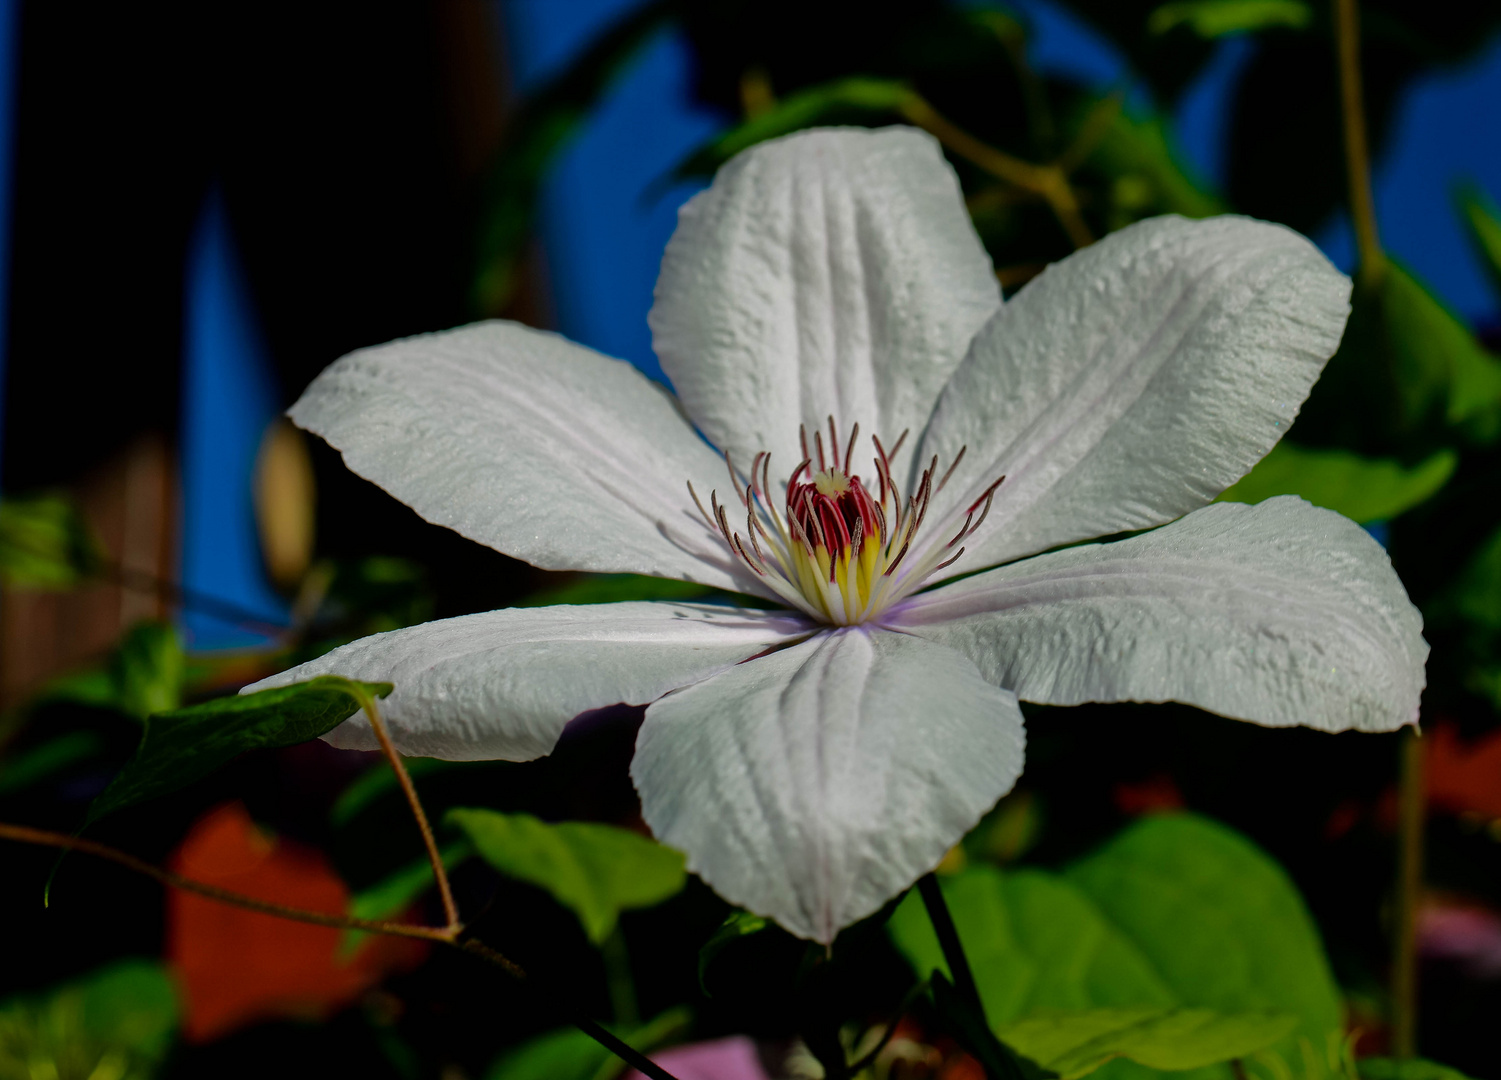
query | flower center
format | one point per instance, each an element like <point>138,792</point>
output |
<point>839,552</point>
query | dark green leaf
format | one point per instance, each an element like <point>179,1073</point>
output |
<point>1475,595</point>
<point>1216,18</point>
<point>569,1054</point>
<point>377,781</point>
<point>740,924</point>
<point>1363,489</point>
<point>48,759</point>
<point>1407,373</point>
<point>613,588</point>
<point>841,101</point>
<point>1075,1044</point>
<point>1146,175</point>
<point>395,893</point>
<point>1410,1069</point>
<point>596,871</point>
<point>187,744</point>
<point>45,543</point>
<point>542,125</point>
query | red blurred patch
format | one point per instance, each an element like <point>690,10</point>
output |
<point>238,967</point>
<point>1155,795</point>
<point>1464,777</point>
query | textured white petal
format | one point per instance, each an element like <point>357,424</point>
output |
<point>504,684</point>
<point>1135,380</point>
<point>1280,613</point>
<point>814,784</point>
<point>530,444</point>
<point>833,271</point>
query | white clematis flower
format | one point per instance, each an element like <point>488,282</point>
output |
<point>813,761</point>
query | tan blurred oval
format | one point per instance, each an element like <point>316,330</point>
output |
<point>285,503</point>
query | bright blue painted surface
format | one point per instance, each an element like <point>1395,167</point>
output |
<point>9,50</point>
<point>228,398</point>
<point>603,224</point>
<point>1447,129</point>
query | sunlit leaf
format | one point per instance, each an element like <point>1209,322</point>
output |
<point>1001,1062</point>
<point>543,124</point>
<point>45,543</point>
<point>1216,18</point>
<point>184,745</point>
<point>1363,489</point>
<point>1075,1044</point>
<point>1176,911</point>
<point>117,1022</point>
<point>739,925</point>
<point>1409,1069</point>
<point>1483,218</point>
<point>596,871</point>
<point>569,1054</point>
<point>1218,919</point>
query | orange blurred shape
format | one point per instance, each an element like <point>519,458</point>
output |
<point>238,967</point>
<point>1155,795</point>
<point>1464,776</point>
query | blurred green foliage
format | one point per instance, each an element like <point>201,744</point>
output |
<point>45,543</point>
<point>116,1024</point>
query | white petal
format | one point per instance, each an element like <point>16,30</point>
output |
<point>1135,380</point>
<point>530,444</point>
<point>504,684</point>
<point>814,784</point>
<point>1279,613</point>
<point>833,271</point>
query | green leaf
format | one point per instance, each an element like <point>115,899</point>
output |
<point>1075,1044</point>
<point>1216,18</point>
<point>840,101</point>
<point>596,871</point>
<point>395,893</point>
<point>377,781</point>
<point>147,669</point>
<point>1176,911</point>
<point>1146,173</point>
<point>1001,1062</point>
<point>540,128</point>
<point>48,759</point>
<point>569,1054</point>
<point>45,543</point>
<point>740,924</point>
<point>117,1022</point>
<point>1483,218</point>
<point>1408,371</point>
<point>1410,1069</point>
<point>1035,942</point>
<point>1218,919</point>
<point>613,588</point>
<point>185,745</point>
<point>1363,489</point>
<point>1475,595</point>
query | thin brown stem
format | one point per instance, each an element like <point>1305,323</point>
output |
<point>434,856</point>
<point>25,835</point>
<point>1357,149</point>
<point>1411,810</point>
<point>1048,181</point>
<point>449,936</point>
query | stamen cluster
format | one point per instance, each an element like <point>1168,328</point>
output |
<point>838,552</point>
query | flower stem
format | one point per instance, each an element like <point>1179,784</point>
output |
<point>1410,821</point>
<point>948,940</point>
<point>434,856</point>
<point>1357,149</point>
<point>441,935</point>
